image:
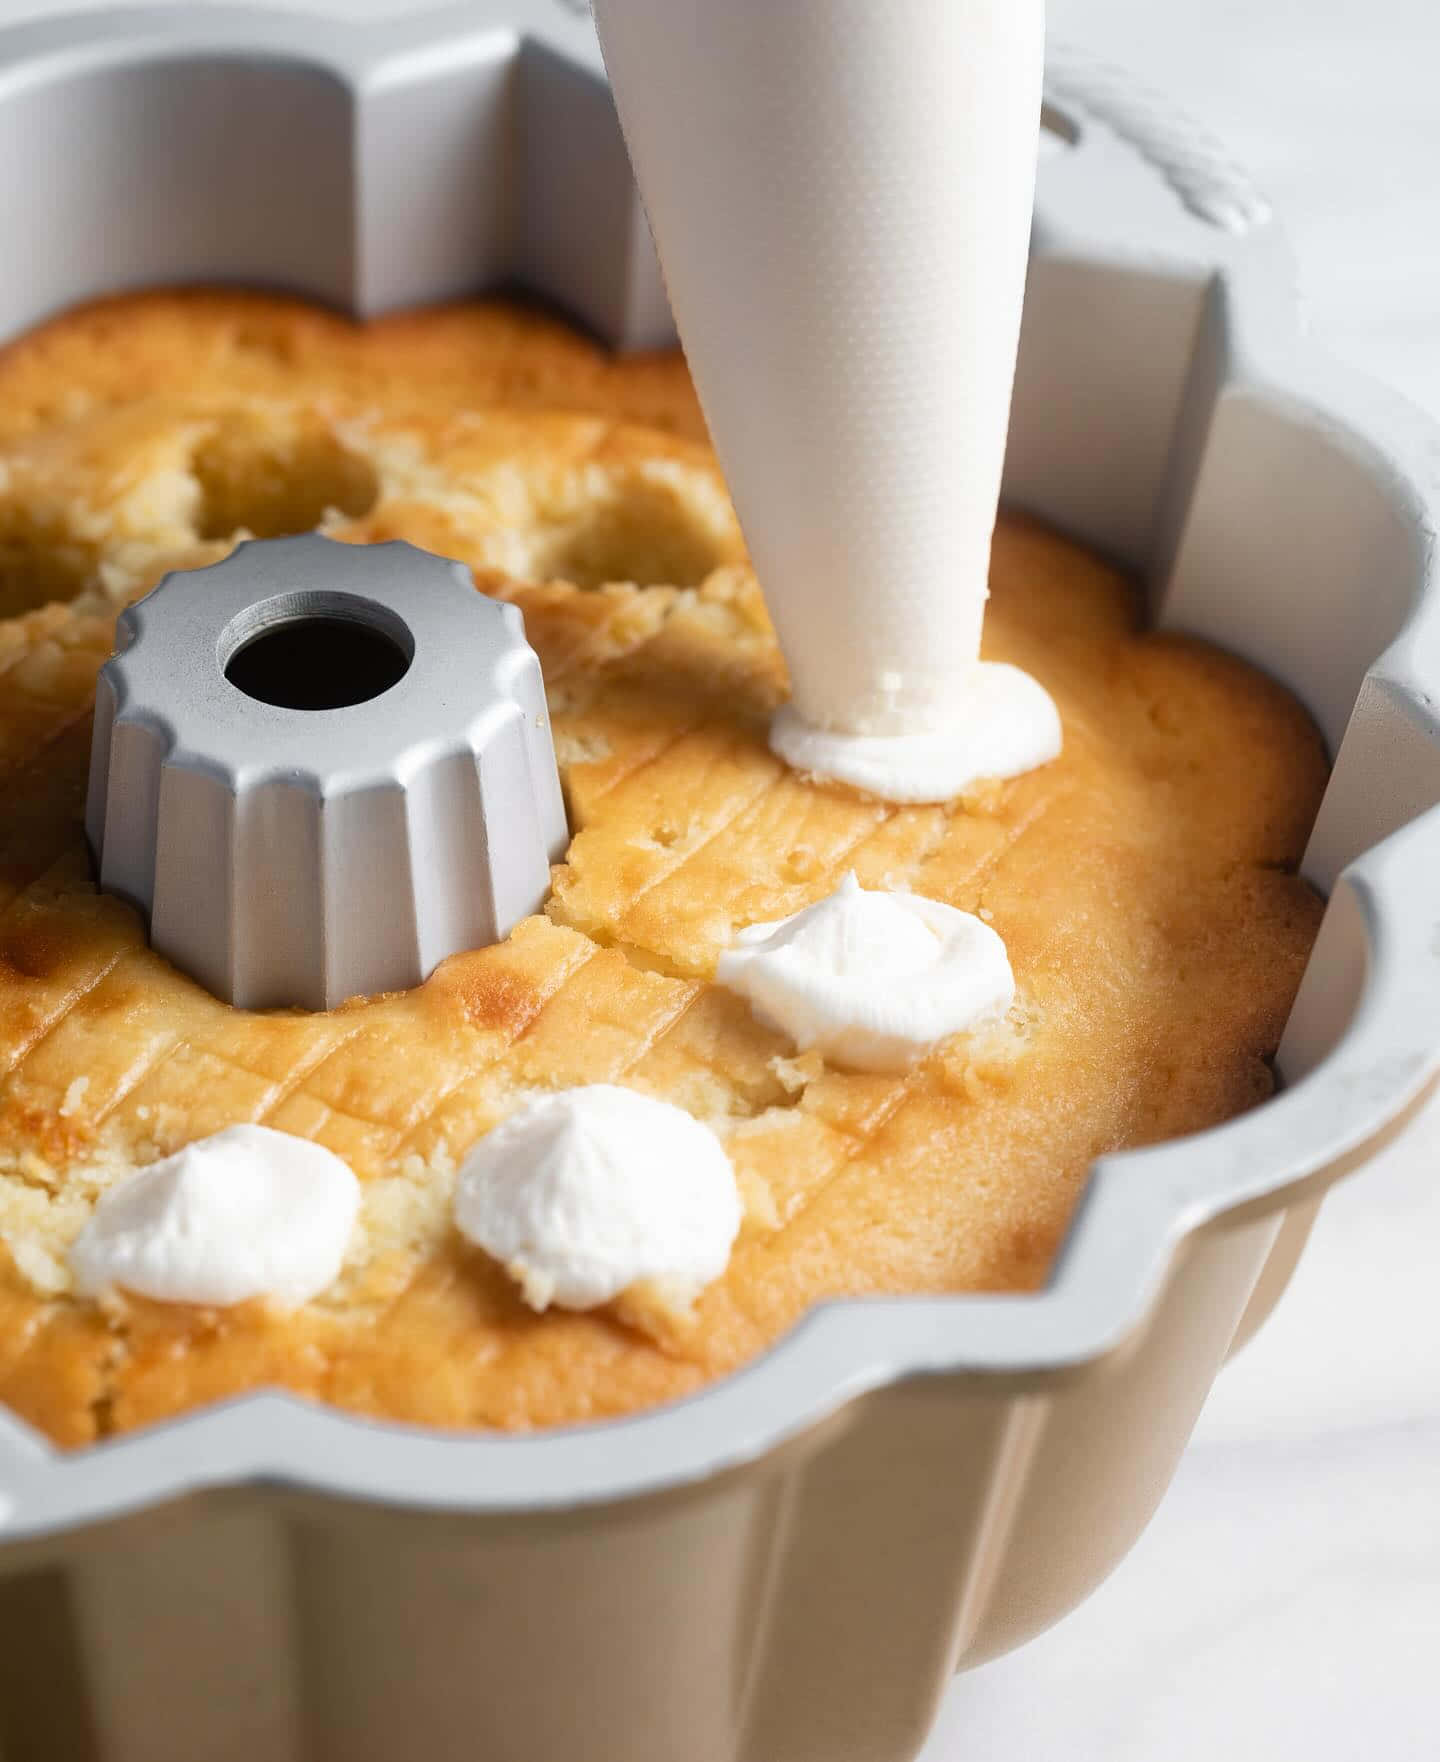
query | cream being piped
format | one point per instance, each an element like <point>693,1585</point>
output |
<point>841,194</point>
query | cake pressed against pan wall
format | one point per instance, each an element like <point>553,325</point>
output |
<point>1002,1464</point>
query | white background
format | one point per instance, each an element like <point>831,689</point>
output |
<point>1285,1604</point>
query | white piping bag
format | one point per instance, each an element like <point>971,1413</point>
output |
<point>841,193</point>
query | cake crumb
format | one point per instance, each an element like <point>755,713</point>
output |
<point>43,1271</point>
<point>74,1096</point>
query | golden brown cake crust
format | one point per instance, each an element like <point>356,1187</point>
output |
<point>1144,883</point>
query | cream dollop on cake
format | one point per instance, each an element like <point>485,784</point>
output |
<point>871,979</point>
<point>583,1194</point>
<point>242,1214</point>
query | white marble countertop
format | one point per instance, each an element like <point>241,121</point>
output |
<point>1285,1604</point>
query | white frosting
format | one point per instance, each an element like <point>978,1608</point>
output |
<point>245,1213</point>
<point>586,1192</point>
<point>1004,724</point>
<point>841,193</point>
<point>871,979</point>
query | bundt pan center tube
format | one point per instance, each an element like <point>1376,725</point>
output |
<point>319,768</point>
<point>789,1566</point>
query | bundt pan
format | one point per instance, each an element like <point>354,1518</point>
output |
<point>789,1567</point>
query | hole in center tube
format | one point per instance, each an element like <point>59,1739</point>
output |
<point>316,651</point>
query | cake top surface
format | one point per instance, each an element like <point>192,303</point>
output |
<point>1144,883</point>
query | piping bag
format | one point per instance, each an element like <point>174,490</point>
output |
<point>840,193</point>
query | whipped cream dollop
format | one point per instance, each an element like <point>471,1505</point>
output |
<point>871,979</point>
<point>586,1192</point>
<point>1000,723</point>
<point>245,1213</point>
